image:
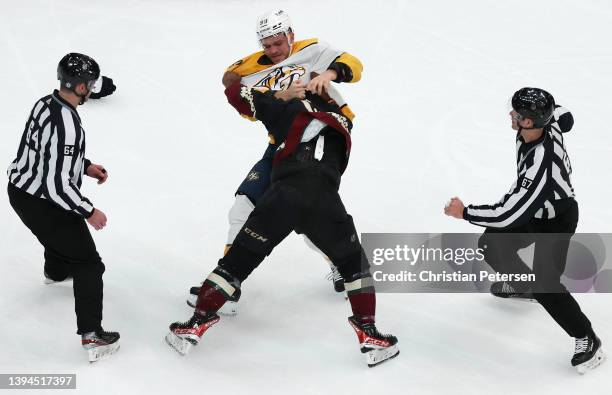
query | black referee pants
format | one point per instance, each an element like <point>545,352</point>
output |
<point>551,238</point>
<point>69,251</point>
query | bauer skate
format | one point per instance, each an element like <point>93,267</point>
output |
<point>588,353</point>
<point>184,335</point>
<point>377,347</point>
<point>100,344</point>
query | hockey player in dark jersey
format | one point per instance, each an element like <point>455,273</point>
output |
<point>287,66</point>
<point>539,209</point>
<point>315,144</point>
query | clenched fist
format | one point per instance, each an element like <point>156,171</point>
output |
<point>98,172</point>
<point>454,208</point>
<point>97,219</point>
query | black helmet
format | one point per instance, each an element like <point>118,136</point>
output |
<point>76,68</point>
<point>535,104</point>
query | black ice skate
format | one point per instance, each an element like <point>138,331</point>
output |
<point>229,308</point>
<point>505,290</point>
<point>377,347</point>
<point>588,353</point>
<point>48,280</point>
<point>100,344</point>
<point>336,277</point>
<point>184,335</point>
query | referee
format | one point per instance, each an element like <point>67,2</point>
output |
<point>43,189</point>
<point>539,209</point>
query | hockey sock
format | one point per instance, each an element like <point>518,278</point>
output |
<point>359,285</point>
<point>210,299</point>
<point>362,298</point>
<point>364,306</point>
<point>218,287</point>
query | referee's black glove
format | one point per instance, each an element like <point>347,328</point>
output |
<point>107,88</point>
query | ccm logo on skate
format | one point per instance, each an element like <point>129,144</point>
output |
<point>375,342</point>
<point>254,235</point>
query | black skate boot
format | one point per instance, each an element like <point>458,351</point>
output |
<point>100,344</point>
<point>229,308</point>
<point>48,280</point>
<point>336,277</point>
<point>588,353</point>
<point>505,290</point>
<point>377,347</point>
<point>184,335</point>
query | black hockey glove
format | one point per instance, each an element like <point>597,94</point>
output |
<point>107,88</point>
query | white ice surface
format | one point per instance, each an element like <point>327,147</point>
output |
<point>431,123</point>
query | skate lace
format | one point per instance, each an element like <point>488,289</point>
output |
<point>333,275</point>
<point>371,330</point>
<point>195,321</point>
<point>582,345</point>
<point>507,288</point>
<point>189,323</point>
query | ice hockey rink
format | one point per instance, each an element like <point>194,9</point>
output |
<point>432,122</point>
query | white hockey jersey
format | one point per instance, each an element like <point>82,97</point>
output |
<point>308,57</point>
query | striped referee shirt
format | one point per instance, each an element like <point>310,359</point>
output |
<point>51,156</point>
<point>543,180</point>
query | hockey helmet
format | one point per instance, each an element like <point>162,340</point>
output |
<point>75,69</point>
<point>273,23</point>
<point>535,104</point>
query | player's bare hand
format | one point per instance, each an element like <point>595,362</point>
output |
<point>98,172</point>
<point>97,220</point>
<point>320,83</point>
<point>454,208</point>
<point>297,90</point>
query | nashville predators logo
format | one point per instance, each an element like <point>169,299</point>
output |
<point>281,77</point>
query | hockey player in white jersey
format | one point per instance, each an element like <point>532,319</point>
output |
<point>292,67</point>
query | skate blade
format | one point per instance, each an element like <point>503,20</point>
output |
<point>598,359</point>
<point>524,300</point>
<point>181,345</point>
<point>102,352</point>
<point>48,281</point>
<point>377,356</point>
<point>229,309</point>
<point>516,299</point>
